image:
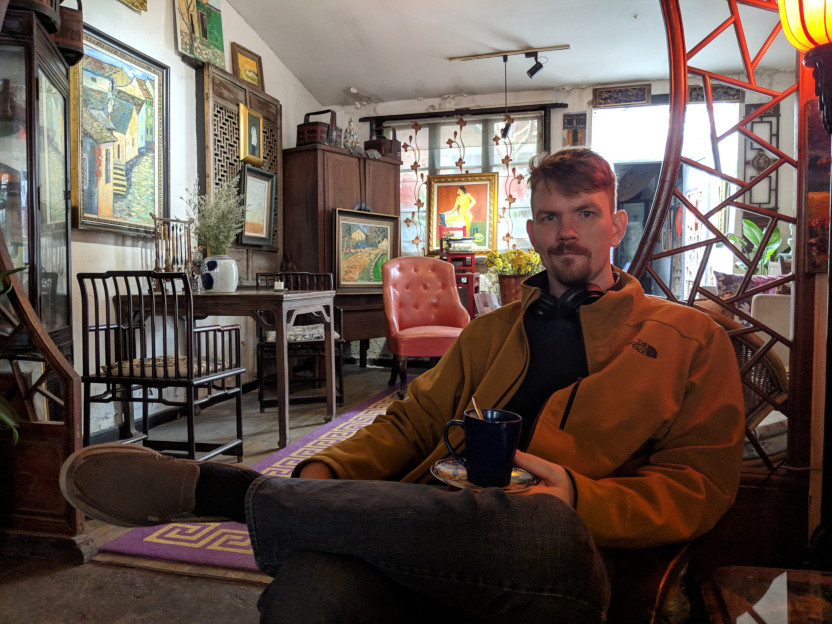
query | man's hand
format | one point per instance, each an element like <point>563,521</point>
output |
<point>553,477</point>
<point>316,470</point>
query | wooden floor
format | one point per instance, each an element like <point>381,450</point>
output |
<point>115,589</point>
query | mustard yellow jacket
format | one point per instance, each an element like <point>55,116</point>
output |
<point>653,437</point>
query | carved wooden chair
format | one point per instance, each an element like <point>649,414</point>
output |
<point>305,338</point>
<point>140,345</point>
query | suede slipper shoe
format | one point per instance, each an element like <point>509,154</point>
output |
<point>130,485</point>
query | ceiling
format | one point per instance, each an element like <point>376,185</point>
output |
<point>374,51</point>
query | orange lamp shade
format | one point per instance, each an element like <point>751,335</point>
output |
<point>807,23</point>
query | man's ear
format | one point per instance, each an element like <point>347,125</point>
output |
<point>619,226</point>
<point>530,232</point>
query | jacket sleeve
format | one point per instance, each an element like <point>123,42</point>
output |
<point>691,475</point>
<point>402,438</point>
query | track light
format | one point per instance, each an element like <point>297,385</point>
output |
<point>537,64</point>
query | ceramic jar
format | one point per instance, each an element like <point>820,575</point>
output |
<point>219,274</point>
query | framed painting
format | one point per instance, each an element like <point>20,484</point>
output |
<point>137,5</point>
<point>364,241</point>
<point>257,187</point>
<point>251,136</point>
<point>198,31</point>
<point>247,65</point>
<point>463,204</point>
<point>119,137</point>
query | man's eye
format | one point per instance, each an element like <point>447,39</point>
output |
<point>549,217</point>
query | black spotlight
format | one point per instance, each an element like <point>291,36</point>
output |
<point>537,64</point>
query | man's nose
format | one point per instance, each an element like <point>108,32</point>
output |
<point>567,231</point>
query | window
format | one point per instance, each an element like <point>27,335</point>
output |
<point>633,140</point>
<point>437,148</point>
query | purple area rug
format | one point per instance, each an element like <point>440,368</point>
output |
<point>227,544</point>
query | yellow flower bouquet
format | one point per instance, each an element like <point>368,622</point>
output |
<point>514,262</point>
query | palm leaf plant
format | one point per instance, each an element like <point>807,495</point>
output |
<point>752,237</point>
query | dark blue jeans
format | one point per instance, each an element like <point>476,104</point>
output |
<point>383,551</point>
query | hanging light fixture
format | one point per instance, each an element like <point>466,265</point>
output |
<point>808,26</point>
<point>507,127</point>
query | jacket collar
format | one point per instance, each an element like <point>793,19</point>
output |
<point>539,282</point>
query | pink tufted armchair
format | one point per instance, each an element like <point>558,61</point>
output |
<point>422,311</point>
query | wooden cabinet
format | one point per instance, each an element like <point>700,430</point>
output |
<point>316,180</point>
<point>34,166</point>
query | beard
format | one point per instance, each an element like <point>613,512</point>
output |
<point>569,271</point>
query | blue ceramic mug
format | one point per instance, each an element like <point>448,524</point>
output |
<point>490,443</point>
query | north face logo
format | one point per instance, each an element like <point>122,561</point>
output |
<point>645,349</point>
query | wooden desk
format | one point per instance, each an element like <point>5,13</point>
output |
<point>285,307</point>
<point>767,596</point>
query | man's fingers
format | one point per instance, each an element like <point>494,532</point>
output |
<point>538,467</point>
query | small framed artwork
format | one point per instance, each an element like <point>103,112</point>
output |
<point>247,65</point>
<point>364,241</point>
<point>137,5</point>
<point>251,136</point>
<point>465,204</point>
<point>257,187</point>
<point>198,32</point>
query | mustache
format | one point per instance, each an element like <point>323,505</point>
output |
<point>570,248</point>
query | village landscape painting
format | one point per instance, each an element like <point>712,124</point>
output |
<point>364,242</point>
<point>121,121</point>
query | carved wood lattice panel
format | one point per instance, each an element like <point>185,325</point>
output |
<point>225,130</point>
<point>687,227</point>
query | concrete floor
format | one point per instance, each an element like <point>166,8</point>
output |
<point>40,592</point>
<point>112,589</point>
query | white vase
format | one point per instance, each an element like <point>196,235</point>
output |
<point>219,274</point>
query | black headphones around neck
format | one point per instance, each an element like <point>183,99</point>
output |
<point>568,303</point>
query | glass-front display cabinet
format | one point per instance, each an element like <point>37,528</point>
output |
<point>34,169</point>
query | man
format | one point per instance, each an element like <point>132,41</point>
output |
<point>632,417</point>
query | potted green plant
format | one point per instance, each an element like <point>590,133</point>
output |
<point>218,219</point>
<point>752,236</point>
<point>512,267</point>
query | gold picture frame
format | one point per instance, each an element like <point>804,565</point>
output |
<point>468,200</point>
<point>251,136</point>
<point>247,65</point>
<point>137,5</point>
<point>364,241</point>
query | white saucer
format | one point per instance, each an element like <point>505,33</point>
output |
<point>451,472</point>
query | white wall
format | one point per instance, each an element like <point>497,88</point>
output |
<point>152,33</point>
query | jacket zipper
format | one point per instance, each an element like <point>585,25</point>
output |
<point>568,407</point>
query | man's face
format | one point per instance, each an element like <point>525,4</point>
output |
<point>573,235</point>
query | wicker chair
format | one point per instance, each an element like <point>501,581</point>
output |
<point>765,384</point>
<point>140,345</point>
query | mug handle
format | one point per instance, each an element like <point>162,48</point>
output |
<point>448,425</point>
